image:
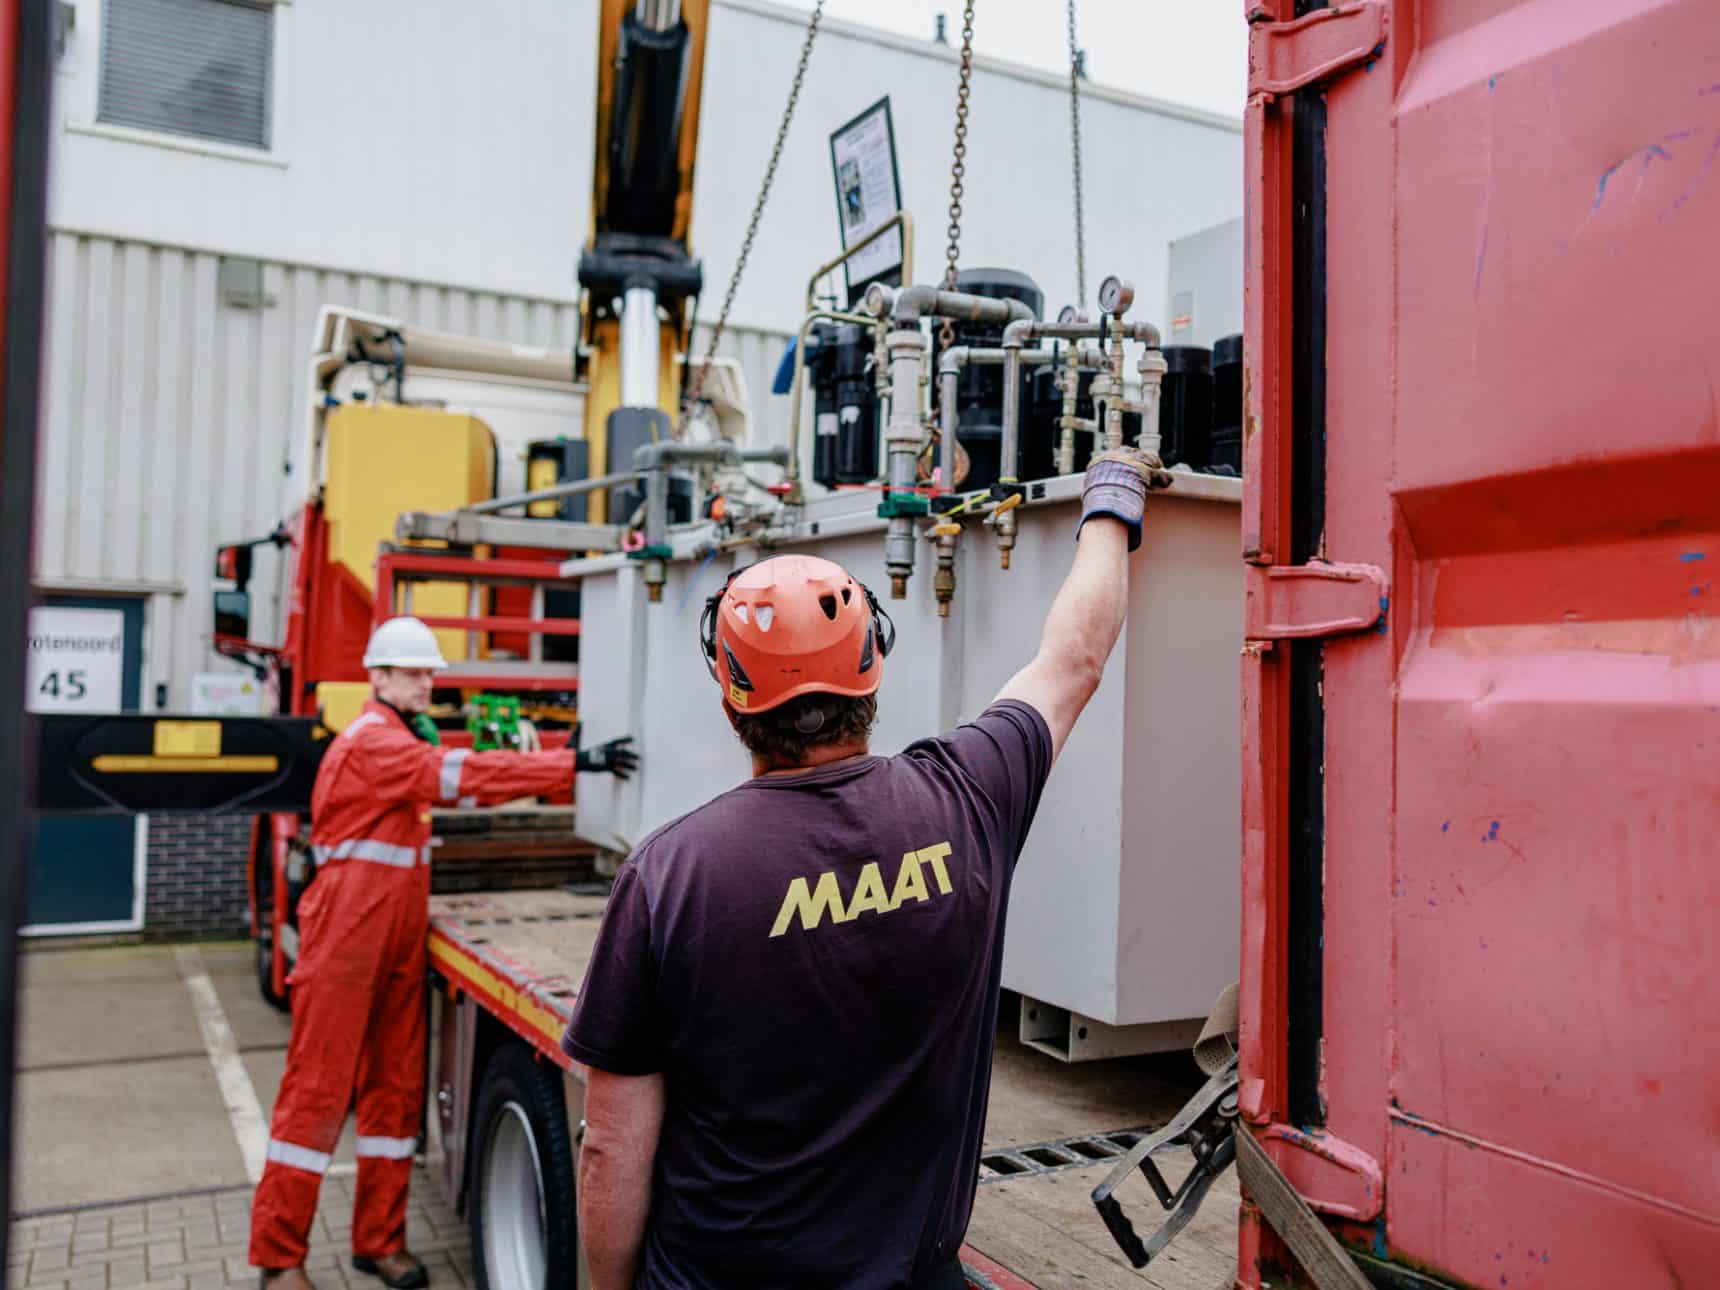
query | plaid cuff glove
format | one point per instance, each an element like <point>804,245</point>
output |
<point>1117,484</point>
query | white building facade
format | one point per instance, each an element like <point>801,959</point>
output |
<point>222,169</point>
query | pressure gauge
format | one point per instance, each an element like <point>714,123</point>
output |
<point>1115,295</point>
<point>1067,315</point>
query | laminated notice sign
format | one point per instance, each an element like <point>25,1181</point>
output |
<point>76,660</point>
<point>868,193</point>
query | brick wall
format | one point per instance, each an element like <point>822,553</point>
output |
<point>196,883</point>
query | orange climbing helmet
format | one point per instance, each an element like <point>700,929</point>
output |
<point>792,625</point>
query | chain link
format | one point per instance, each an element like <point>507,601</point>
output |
<point>1075,154</point>
<point>698,384</point>
<point>958,168</point>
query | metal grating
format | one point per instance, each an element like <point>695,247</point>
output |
<point>1009,1164</point>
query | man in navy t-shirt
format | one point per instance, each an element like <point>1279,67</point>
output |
<point>789,1011</point>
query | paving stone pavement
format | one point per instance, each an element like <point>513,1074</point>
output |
<point>197,1242</point>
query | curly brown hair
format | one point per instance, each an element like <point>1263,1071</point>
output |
<point>780,737</point>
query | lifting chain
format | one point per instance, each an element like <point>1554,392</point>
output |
<point>1075,155</point>
<point>691,397</point>
<point>958,167</point>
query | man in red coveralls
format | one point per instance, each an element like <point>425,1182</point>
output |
<point>358,987</point>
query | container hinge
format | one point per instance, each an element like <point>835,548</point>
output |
<point>1335,1177</point>
<point>1284,57</point>
<point>1297,601</point>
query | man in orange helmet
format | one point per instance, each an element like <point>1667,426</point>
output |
<point>789,1011</point>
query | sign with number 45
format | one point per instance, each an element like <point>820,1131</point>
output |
<point>77,660</point>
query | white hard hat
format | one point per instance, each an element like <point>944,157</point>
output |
<point>404,642</point>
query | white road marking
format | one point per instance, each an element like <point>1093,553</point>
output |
<point>244,1112</point>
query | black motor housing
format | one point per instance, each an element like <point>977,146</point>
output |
<point>1185,407</point>
<point>979,391</point>
<point>845,405</point>
<point>1227,406</point>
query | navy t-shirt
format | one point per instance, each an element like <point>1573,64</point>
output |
<point>812,960</point>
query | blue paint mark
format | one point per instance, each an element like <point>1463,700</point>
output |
<point>1691,557</point>
<point>1446,827</point>
<point>1697,591</point>
<point>1492,832</point>
<point>1648,154</point>
<point>1379,1245</point>
<point>1385,605</point>
<point>1492,82</point>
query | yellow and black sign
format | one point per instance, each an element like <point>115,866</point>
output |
<point>132,764</point>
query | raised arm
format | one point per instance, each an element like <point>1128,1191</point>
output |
<point>1087,614</point>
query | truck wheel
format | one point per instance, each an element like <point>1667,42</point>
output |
<point>265,971</point>
<point>520,1202</point>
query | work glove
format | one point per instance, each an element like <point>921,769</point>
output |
<point>1117,485</point>
<point>615,758</point>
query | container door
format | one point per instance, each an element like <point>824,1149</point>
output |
<point>86,872</point>
<point>1481,882</point>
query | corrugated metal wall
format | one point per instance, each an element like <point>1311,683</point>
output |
<point>170,418</point>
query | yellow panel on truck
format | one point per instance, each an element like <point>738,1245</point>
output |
<point>384,459</point>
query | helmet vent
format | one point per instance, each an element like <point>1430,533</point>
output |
<point>766,616</point>
<point>741,611</point>
<point>828,604</point>
<point>847,595</point>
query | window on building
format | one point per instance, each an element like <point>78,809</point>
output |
<point>194,67</point>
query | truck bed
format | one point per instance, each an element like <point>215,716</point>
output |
<point>524,954</point>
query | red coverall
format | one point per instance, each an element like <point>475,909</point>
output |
<point>358,986</point>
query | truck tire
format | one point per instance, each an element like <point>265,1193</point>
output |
<point>282,1002</point>
<point>520,1196</point>
<point>263,868</point>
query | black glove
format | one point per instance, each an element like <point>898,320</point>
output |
<point>616,758</point>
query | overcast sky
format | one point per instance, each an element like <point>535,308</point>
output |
<point>1188,51</point>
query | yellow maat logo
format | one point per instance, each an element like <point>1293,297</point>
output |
<point>809,902</point>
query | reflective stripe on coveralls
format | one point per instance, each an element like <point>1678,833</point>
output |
<point>387,1148</point>
<point>374,851</point>
<point>287,1153</point>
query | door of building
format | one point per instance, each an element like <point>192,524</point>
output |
<point>87,872</point>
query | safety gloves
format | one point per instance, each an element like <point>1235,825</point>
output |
<point>616,758</point>
<point>1117,485</point>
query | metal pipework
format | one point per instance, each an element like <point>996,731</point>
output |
<point>901,220</point>
<point>639,347</point>
<point>902,446</point>
<point>911,304</point>
<point>792,476</point>
<point>944,579</point>
<point>657,15</point>
<point>1152,367</point>
<point>572,488</point>
<point>950,365</point>
<point>652,461</point>
<point>1069,385</point>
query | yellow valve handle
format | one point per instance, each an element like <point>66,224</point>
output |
<point>1007,504</point>
<point>946,529</point>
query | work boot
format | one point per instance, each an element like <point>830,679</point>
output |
<point>400,1270</point>
<point>284,1279</point>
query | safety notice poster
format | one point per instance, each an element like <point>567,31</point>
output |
<point>868,193</point>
